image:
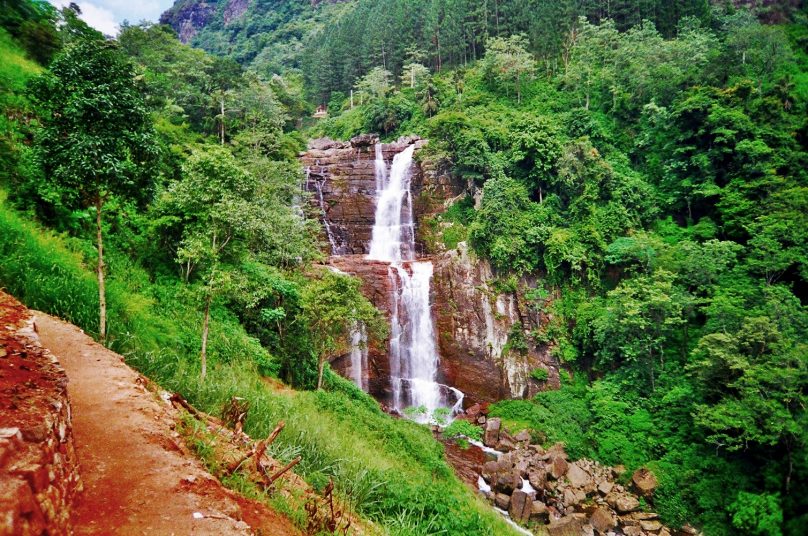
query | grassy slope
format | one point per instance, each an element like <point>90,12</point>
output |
<point>393,470</point>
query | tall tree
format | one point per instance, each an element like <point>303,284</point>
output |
<point>97,139</point>
<point>332,307</point>
<point>507,61</point>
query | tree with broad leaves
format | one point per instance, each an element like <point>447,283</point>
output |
<point>97,139</point>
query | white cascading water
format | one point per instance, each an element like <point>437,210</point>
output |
<point>393,239</point>
<point>359,356</point>
<point>413,352</point>
<point>318,185</point>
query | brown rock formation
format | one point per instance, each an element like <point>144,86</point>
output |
<point>644,481</point>
<point>474,323</point>
<point>571,499</point>
<point>341,179</point>
<point>187,18</point>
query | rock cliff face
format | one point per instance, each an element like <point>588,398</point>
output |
<point>187,17</point>
<point>474,321</point>
<point>340,177</point>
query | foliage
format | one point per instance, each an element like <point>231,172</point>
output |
<point>460,428</point>
<point>757,514</point>
<point>332,306</point>
<point>539,374</point>
<point>97,137</point>
<point>507,62</point>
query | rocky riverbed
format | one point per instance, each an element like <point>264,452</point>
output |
<point>547,492</point>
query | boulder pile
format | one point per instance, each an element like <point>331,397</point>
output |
<point>570,498</point>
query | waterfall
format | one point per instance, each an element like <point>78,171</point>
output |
<point>413,352</point>
<point>359,356</point>
<point>393,238</point>
<point>318,185</point>
<point>413,358</point>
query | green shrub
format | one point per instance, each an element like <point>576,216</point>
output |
<point>462,428</point>
<point>539,374</point>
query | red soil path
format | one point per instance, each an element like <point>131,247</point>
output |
<point>138,476</point>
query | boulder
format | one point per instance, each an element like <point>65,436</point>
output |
<point>650,525</point>
<point>323,144</point>
<point>566,526</point>
<point>605,487</point>
<point>602,520</point>
<point>473,413</point>
<point>507,482</point>
<point>537,478</point>
<point>538,449</point>
<point>644,481</point>
<point>490,470</point>
<point>537,510</point>
<point>622,503</point>
<point>364,140</point>
<point>521,505</point>
<point>502,501</point>
<point>632,531</point>
<point>557,450</point>
<point>639,516</point>
<point>558,467</point>
<point>577,476</point>
<point>491,434</point>
<point>522,437</point>
<point>505,444</point>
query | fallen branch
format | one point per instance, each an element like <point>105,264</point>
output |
<point>257,451</point>
<point>178,399</point>
<point>271,480</point>
<point>217,426</point>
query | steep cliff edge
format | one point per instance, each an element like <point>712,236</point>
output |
<point>479,324</point>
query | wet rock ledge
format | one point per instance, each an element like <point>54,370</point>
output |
<point>38,468</point>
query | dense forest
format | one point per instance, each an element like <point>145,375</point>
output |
<point>646,161</point>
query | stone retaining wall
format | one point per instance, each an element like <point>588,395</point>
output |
<point>38,467</point>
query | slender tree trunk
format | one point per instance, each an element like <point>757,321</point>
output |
<point>222,121</point>
<point>205,326</point>
<point>102,293</point>
<point>320,368</point>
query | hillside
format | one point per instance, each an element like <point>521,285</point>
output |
<point>531,267</point>
<point>269,36</point>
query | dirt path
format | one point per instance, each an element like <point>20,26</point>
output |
<point>138,476</point>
